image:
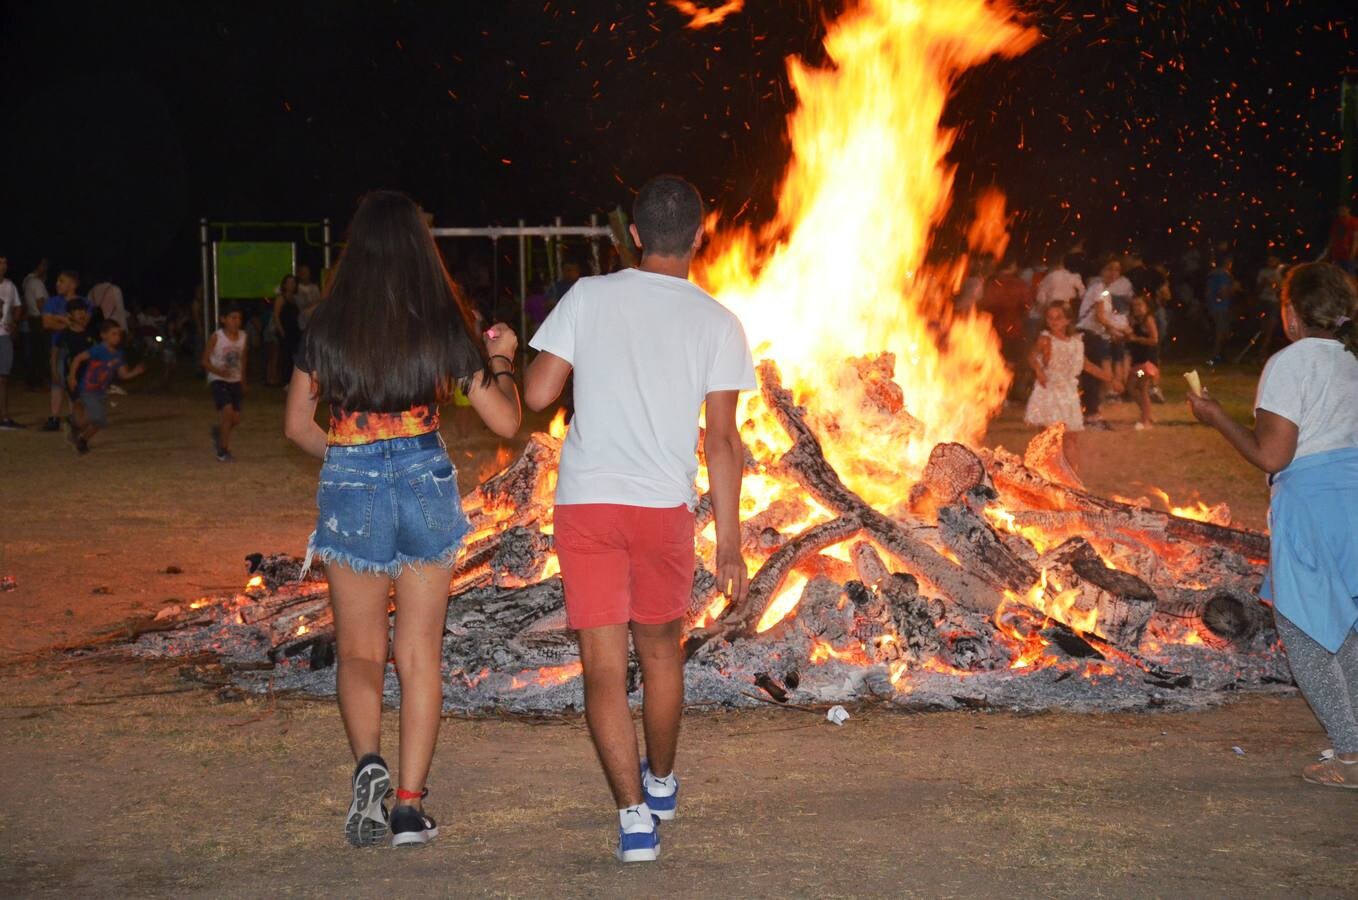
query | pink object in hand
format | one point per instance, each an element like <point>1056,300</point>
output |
<point>491,334</point>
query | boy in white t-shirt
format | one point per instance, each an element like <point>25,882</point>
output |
<point>648,349</point>
<point>224,361</point>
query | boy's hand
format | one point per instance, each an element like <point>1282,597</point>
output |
<point>501,340</point>
<point>70,383</point>
<point>732,576</point>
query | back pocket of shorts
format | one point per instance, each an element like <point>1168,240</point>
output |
<point>436,490</point>
<point>346,508</point>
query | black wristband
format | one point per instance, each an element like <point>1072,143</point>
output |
<point>498,374</point>
<point>505,358</point>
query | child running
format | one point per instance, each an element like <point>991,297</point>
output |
<point>382,351</point>
<point>1305,436</point>
<point>648,349</point>
<point>91,374</point>
<point>1143,347</point>
<point>224,362</point>
<point>1058,360</point>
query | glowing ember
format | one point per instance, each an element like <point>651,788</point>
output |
<point>783,603</point>
<point>714,609</point>
<point>547,676</point>
<point>255,583</point>
<point>701,17</point>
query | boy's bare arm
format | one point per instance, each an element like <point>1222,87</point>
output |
<point>206,361</point>
<point>543,381</point>
<point>725,463</point>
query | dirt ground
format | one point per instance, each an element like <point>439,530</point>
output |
<point>128,781</point>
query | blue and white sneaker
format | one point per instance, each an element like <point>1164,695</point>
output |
<point>366,824</point>
<point>662,794</point>
<point>638,836</point>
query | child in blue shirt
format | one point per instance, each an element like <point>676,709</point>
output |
<point>91,374</point>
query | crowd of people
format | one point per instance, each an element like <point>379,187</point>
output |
<point>1084,332</point>
<point>45,327</point>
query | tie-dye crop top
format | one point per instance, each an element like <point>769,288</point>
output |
<point>351,428</point>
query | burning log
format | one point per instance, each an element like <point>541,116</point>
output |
<point>951,472</point>
<point>740,620</point>
<point>1021,487</point>
<point>1046,455</point>
<point>522,489</point>
<point>807,464</point>
<point>520,556</point>
<point>483,622</point>
<point>1119,603</point>
<point>971,538</point>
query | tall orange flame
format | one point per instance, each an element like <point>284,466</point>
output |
<point>840,271</point>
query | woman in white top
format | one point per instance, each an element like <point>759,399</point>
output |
<point>1101,326</point>
<point>1305,436</point>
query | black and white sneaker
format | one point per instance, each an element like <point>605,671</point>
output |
<point>411,827</point>
<point>366,824</point>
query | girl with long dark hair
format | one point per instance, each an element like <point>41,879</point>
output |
<point>391,339</point>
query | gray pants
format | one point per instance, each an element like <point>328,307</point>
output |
<point>1328,681</point>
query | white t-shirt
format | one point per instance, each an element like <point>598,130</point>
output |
<point>109,298</point>
<point>1089,308</point>
<point>647,349</point>
<point>1060,284</point>
<point>35,294</point>
<point>1314,385</point>
<point>227,355</point>
<point>9,303</point>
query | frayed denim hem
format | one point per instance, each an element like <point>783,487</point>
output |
<point>392,569</point>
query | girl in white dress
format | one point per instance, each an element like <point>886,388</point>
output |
<point>1057,359</point>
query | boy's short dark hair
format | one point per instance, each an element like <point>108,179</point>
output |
<point>76,304</point>
<point>108,325</point>
<point>231,308</point>
<point>668,212</point>
<point>71,274</point>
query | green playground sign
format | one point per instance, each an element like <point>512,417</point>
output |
<point>249,270</point>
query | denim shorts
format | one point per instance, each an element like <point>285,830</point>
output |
<point>96,409</point>
<point>387,505</point>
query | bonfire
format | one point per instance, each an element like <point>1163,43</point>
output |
<point>891,559</point>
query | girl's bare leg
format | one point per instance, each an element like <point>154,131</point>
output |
<point>421,610</point>
<point>1143,398</point>
<point>360,605</point>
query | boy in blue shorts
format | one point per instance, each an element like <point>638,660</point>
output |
<point>91,374</point>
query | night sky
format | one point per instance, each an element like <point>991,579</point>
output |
<point>1146,122</point>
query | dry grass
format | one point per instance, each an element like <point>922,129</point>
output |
<point>179,794</point>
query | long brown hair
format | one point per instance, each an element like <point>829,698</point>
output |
<point>393,331</point>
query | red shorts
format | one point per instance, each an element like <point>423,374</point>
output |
<point>623,564</point>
